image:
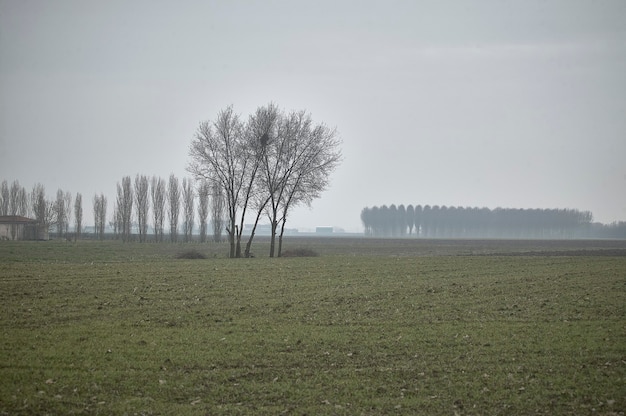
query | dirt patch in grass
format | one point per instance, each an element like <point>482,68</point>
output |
<point>190,255</point>
<point>300,252</point>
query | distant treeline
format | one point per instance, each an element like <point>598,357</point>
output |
<point>467,222</point>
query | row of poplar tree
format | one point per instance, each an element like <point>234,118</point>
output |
<point>470,222</point>
<point>264,165</point>
<point>142,208</point>
<point>16,200</point>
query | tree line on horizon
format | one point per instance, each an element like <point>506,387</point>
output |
<point>15,200</point>
<point>147,202</point>
<point>265,165</point>
<point>153,202</point>
<point>472,222</point>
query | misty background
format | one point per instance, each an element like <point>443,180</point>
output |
<point>516,104</point>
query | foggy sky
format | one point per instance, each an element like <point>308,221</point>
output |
<point>517,104</point>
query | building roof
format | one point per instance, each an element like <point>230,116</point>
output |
<point>15,219</point>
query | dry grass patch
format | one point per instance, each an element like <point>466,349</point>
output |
<point>299,252</point>
<point>190,255</point>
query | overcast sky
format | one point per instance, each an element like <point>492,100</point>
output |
<point>518,104</point>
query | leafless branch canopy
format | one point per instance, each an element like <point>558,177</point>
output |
<point>273,162</point>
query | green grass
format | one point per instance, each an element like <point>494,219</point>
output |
<point>109,328</point>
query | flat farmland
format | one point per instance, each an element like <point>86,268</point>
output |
<point>370,326</point>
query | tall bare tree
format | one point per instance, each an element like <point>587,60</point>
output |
<point>124,208</point>
<point>322,156</point>
<point>60,213</point>
<point>223,153</point>
<point>22,202</point>
<point>218,212</point>
<point>14,194</point>
<point>173,198</point>
<point>298,158</point>
<point>103,216</point>
<point>99,214</point>
<point>264,124</point>
<point>17,203</point>
<point>78,215</point>
<point>203,208</point>
<point>117,221</point>
<point>67,199</point>
<point>43,209</point>
<point>188,196</point>
<point>96,216</point>
<point>4,198</point>
<point>37,202</point>
<point>142,204</point>
<point>157,192</point>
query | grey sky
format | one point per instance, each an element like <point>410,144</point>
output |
<point>485,103</point>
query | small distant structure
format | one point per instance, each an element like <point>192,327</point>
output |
<point>16,227</point>
<point>324,230</point>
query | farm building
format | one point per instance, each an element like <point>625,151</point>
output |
<point>15,227</point>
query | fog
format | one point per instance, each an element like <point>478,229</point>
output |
<point>481,104</point>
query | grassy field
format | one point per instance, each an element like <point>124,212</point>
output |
<point>369,327</point>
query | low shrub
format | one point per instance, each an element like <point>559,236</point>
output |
<point>299,252</point>
<point>190,255</point>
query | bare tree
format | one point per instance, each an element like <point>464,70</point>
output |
<point>218,211</point>
<point>99,214</point>
<point>124,208</point>
<point>14,193</point>
<point>78,214</point>
<point>222,153</point>
<point>22,202</point>
<point>188,201</point>
<point>157,190</point>
<point>263,125</point>
<point>103,216</point>
<point>117,221</point>
<point>173,192</point>
<point>67,199</point>
<point>4,198</point>
<point>37,201</point>
<point>43,209</point>
<point>203,208</point>
<point>96,216</point>
<point>60,213</point>
<point>298,159</point>
<point>142,205</point>
<point>18,204</point>
<point>278,164</point>
<point>321,156</point>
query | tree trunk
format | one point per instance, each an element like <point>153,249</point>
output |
<point>273,239</point>
<point>280,239</point>
<point>231,240</point>
<point>238,248</point>
<point>256,222</point>
<point>249,243</point>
